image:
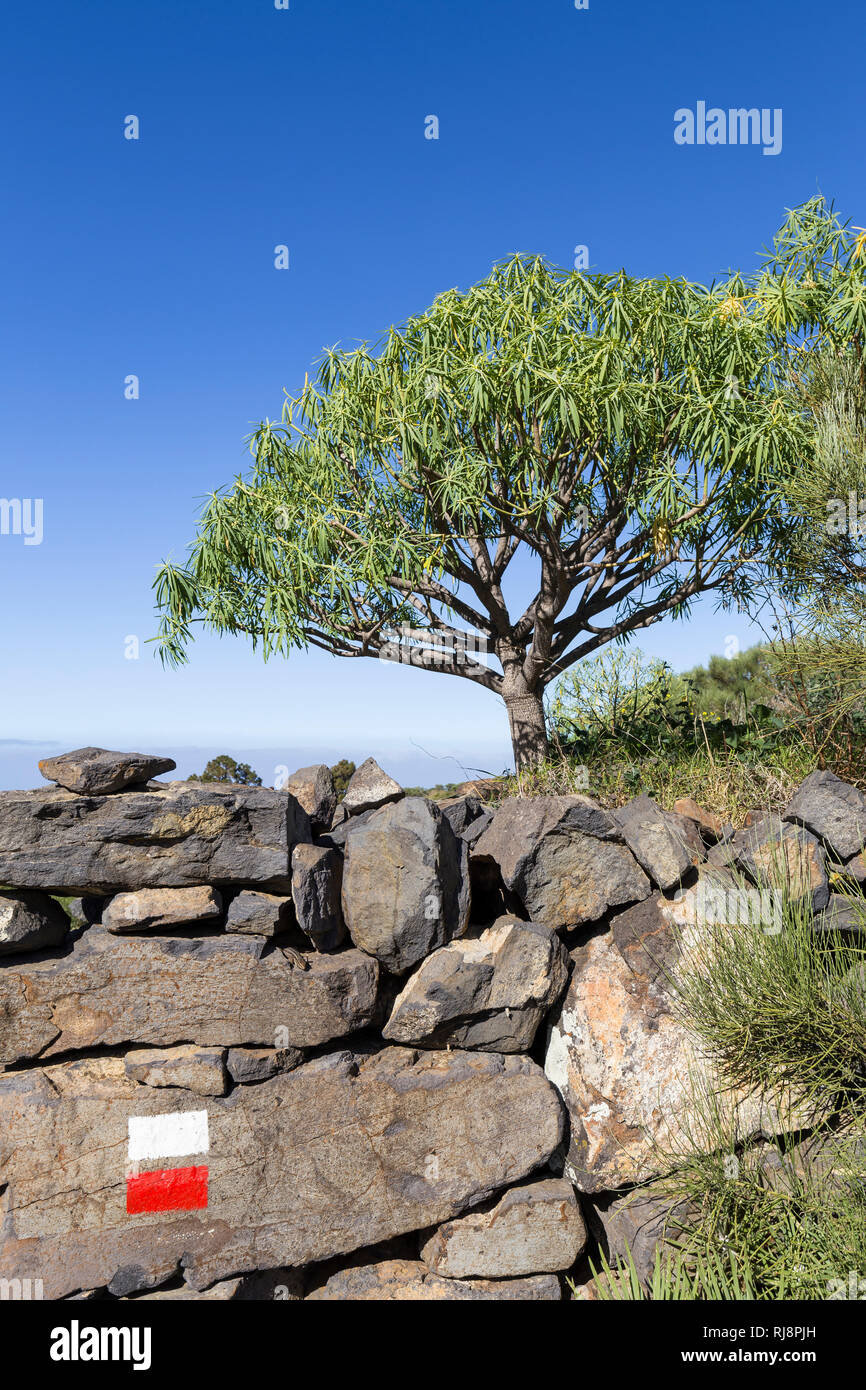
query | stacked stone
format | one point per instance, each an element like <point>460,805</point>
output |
<point>409,1047</point>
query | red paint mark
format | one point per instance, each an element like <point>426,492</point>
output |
<point>167,1189</point>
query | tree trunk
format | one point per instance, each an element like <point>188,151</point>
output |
<point>528,730</point>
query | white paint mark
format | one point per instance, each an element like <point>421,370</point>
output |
<point>168,1136</point>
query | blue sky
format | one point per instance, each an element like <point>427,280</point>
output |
<point>305,127</point>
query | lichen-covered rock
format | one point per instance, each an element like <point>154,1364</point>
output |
<point>30,922</point>
<point>317,880</point>
<point>490,992</point>
<point>563,858</point>
<point>318,1162</point>
<point>405,883</point>
<point>98,771</point>
<point>634,1081</point>
<point>177,836</point>
<point>160,991</point>
<point>781,855</point>
<point>201,1070</point>
<point>369,788</point>
<point>402,1281</point>
<point>160,909</point>
<point>535,1228</point>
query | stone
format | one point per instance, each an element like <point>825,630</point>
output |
<point>250,1064</point>
<point>461,811</point>
<point>843,916</point>
<point>83,912</point>
<point>709,825</point>
<point>832,810</point>
<point>98,772</point>
<point>177,836</point>
<point>828,1163</point>
<point>336,837</point>
<point>253,913</point>
<point>317,880</point>
<point>476,828</point>
<point>282,1285</point>
<point>369,788</point>
<point>314,788</point>
<point>400,1281</point>
<point>405,883</point>
<point>644,1224</point>
<point>536,1228</point>
<point>490,992</point>
<point>315,1163</point>
<point>659,841</point>
<point>563,858</point>
<point>633,1079</point>
<point>30,922</point>
<point>783,856</point>
<point>161,991</point>
<point>160,909</point>
<point>201,1070</point>
<point>854,869</point>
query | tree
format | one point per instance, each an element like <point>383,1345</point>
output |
<point>225,769</point>
<point>594,449</point>
<point>821,264</point>
<point>341,774</point>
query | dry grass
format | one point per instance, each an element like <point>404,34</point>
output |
<point>726,784</point>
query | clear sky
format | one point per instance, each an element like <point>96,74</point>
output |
<point>305,126</point>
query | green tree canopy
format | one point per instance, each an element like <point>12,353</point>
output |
<point>626,436</point>
<point>226,769</point>
<point>341,774</point>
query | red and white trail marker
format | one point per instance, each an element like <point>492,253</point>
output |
<point>178,1188</point>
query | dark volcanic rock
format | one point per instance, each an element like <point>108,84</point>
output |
<point>563,858</point>
<point>162,990</point>
<point>182,835</point>
<point>30,922</point>
<point>259,914</point>
<point>489,993</point>
<point>319,1162</point>
<point>405,883</point>
<point>832,810</point>
<point>317,878</point>
<point>314,788</point>
<point>97,771</point>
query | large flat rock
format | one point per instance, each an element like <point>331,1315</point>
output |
<point>321,1161</point>
<point>179,836</point>
<point>160,990</point>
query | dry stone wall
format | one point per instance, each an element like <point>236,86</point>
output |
<point>273,1046</point>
